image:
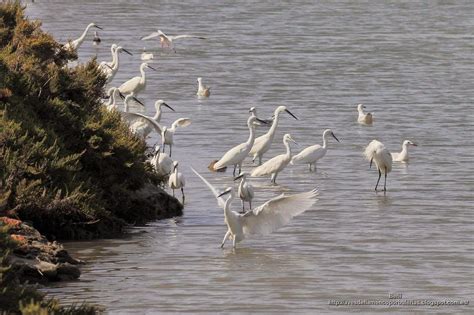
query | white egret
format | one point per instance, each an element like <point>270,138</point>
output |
<point>96,40</point>
<point>263,143</point>
<point>264,219</point>
<point>403,156</point>
<point>167,40</point>
<point>167,134</point>
<point>146,56</point>
<point>136,84</point>
<point>110,63</point>
<point>113,94</point>
<point>237,154</point>
<point>276,164</point>
<point>75,44</point>
<point>131,117</point>
<point>377,152</point>
<point>111,71</point>
<point>312,154</point>
<point>245,191</point>
<point>176,180</point>
<point>204,91</point>
<point>364,118</point>
<point>142,126</point>
<point>161,162</point>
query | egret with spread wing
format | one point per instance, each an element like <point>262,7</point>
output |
<point>167,40</point>
<point>143,127</point>
<point>264,219</point>
<point>167,134</point>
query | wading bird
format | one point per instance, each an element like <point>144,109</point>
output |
<point>161,162</point>
<point>264,219</point>
<point>75,44</point>
<point>111,71</point>
<point>263,143</point>
<point>237,154</point>
<point>167,40</point>
<point>176,180</point>
<point>403,156</point>
<point>376,152</point>
<point>114,95</point>
<point>136,84</point>
<point>167,134</point>
<point>203,90</point>
<point>276,164</point>
<point>364,118</point>
<point>110,63</point>
<point>143,127</point>
<point>312,154</point>
<point>245,191</point>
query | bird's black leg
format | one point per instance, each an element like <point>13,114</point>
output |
<point>182,191</point>
<point>235,166</point>
<point>170,149</point>
<point>380,175</point>
<point>385,183</point>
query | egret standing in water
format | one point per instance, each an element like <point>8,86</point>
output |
<point>237,154</point>
<point>203,91</point>
<point>264,219</point>
<point>75,44</point>
<point>176,180</point>
<point>111,71</point>
<point>136,84</point>
<point>376,152</point>
<point>167,134</point>
<point>245,190</point>
<point>161,162</point>
<point>364,118</point>
<point>312,154</point>
<point>276,164</point>
<point>403,156</point>
<point>143,127</point>
<point>167,40</point>
<point>263,143</point>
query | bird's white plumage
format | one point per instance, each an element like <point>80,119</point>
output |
<point>363,118</point>
<point>75,44</point>
<point>135,84</point>
<point>167,134</point>
<point>143,127</point>
<point>403,155</point>
<point>312,154</point>
<point>203,90</point>
<point>377,152</point>
<point>161,162</point>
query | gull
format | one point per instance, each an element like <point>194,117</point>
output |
<point>262,220</point>
<point>237,154</point>
<point>403,156</point>
<point>245,191</point>
<point>96,41</point>
<point>136,84</point>
<point>204,91</point>
<point>312,154</point>
<point>142,126</point>
<point>276,164</point>
<point>167,134</point>
<point>161,162</point>
<point>263,143</point>
<point>176,180</point>
<point>75,44</point>
<point>364,118</point>
<point>145,56</point>
<point>377,152</point>
<point>167,40</point>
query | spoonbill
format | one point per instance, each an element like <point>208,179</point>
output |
<point>167,40</point>
<point>237,154</point>
<point>161,162</point>
<point>364,118</point>
<point>167,134</point>
<point>96,41</point>
<point>263,143</point>
<point>204,91</point>
<point>312,154</point>
<point>377,152</point>
<point>136,84</point>
<point>276,164</point>
<point>403,156</point>
<point>245,190</point>
<point>143,127</point>
<point>145,56</point>
<point>176,180</point>
<point>264,219</point>
<point>75,44</point>
<point>111,71</point>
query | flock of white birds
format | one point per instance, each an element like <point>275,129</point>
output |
<point>265,218</point>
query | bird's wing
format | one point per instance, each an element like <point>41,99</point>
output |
<point>229,156</point>
<point>185,36</point>
<point>181,122</point>
<point>220,200</point>
<point>269,166</point>
<point>277,212</point>
<point>307,154</point>
<point>258,144</point>
<point>149,120</point>
<point>152,35</point>
<point>129,85</point>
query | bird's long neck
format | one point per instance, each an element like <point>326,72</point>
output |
<point>288,149</point>
<point>271,132</point>
<point>227,204</point>
<point>404,149</point>
<point>83,36</point>
<point>361,112</point>
<point>325,141</point>
<point>201,86</point>
<point>125,105</point>
<point>241,184</point>
<point>157,116</point>
<point>115,60</point>
<point>251,138</point>
<point>142,71</point>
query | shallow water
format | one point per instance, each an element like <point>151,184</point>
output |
<point>409,62</point>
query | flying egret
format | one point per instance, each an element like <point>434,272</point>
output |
<point>142,126</point>
<point>403,156</point>
<point>167,40</point>
<point>276,164</point>
<point>96,41</point>
<point>245,191</point>
<point>264,219</point>
<point>161,162</point>
<point>263,143</point>
<point>75,44</point>
<point>145,56</point>
<point>237,154</point>
<point>176,180</point>
<point>167,134</point>
<point>111,71</point>
<point>312,154</point>
<point>364,118</point>
<point>377,152</point>
<point>203,91</point>
<point>136,84</point>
